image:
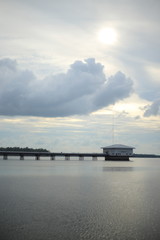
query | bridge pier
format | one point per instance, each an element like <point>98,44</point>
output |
<point>21,157</point>
<point>94,158</point>
<point>67,157</point>
<point>52,157</point>
<point>5,157</point>
<point>37,157</point>
<point>81,158</point>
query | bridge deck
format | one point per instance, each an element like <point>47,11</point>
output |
<point>46,154</point>
<point>52,155</point>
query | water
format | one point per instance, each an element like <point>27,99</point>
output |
<point>42,200</point>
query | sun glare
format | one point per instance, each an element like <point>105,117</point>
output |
<point>107,36</point>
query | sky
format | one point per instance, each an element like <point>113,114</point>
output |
<point>76,76</point>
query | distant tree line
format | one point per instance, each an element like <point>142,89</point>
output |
<point>145,155</point>
<point>26,149</point>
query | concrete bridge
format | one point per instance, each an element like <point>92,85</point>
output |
<point>52,155</point>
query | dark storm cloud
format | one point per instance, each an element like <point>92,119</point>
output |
<point>153,109</point>
<point>116,88</point>
<point>81,90</point>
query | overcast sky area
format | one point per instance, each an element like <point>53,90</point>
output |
<point>79,75</point>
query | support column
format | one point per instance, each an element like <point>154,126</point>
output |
<point>52,157</point>
<point>37,157</point>
<point>21,157</point>
<point>81,158</point>
<point>94,158</point>
<point>67,157</point>
<point>5,157</point>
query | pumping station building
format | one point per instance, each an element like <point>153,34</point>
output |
<point>118,152</point>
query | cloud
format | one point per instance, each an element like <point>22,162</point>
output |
<point>153,109</point>
<point>116,88</point>
<point>83,89</point>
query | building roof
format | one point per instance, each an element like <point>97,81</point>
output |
<point>118,146</point>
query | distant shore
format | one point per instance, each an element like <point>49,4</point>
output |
<point>19,149</point>
<point>145,155</point>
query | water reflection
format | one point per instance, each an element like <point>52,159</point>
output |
<point>81,200</point>
<point>113,169</point>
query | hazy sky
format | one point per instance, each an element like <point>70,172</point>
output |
<point>72,71</point>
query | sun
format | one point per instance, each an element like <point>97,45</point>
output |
<point>107,36</point>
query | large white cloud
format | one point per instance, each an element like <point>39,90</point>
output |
<point>81,90</point>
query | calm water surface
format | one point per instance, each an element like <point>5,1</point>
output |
<point>42,200</point>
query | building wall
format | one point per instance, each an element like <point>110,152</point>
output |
<point>118,151</point>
